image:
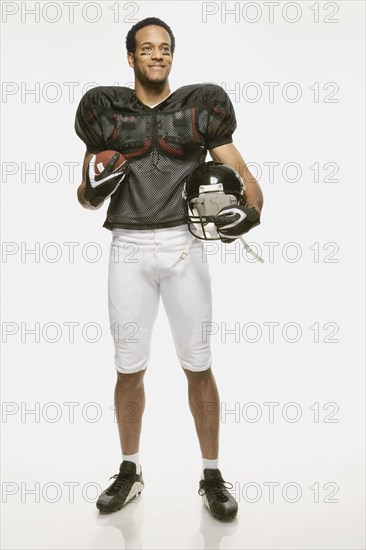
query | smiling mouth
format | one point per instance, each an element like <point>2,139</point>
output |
<point>157,66</point>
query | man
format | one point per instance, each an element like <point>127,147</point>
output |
<point>163,135</point>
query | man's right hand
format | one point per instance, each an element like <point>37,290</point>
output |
<point>103,183</point>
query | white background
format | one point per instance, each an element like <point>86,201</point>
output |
<point>324,452</point>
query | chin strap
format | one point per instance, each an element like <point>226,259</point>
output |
<point>251,251</point>
<point>184,253</point>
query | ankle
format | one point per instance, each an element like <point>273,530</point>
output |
<point>135,459</point>
<point>209,463</point>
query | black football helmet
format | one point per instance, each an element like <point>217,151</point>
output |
<point>207,189</point>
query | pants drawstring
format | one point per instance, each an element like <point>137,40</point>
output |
<point>184,254</point>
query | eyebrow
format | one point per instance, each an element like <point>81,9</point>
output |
<point>162,44</point>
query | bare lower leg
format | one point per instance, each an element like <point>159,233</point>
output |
<point>129,398</point>
<point>204,403</point>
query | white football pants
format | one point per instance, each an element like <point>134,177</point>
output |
<point>139,272</point>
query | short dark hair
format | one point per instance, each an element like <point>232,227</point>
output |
<point>131,35</point>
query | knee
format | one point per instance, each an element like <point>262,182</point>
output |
<point>199,377</point>
<point>133,379</point>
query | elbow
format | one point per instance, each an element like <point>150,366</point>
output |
<point>80,196</point>
<point>84,203</point>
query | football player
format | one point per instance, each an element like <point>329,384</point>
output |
<point>163,135</point>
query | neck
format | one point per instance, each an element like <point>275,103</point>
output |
<point>152,94</point>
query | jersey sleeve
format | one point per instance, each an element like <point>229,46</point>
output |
<point>221,122</point>
<point>88,124</point>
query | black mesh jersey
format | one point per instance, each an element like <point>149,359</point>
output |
<point>162,143</point>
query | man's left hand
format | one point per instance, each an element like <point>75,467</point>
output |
<point>242,220</point>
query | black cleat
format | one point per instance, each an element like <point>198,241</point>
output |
<point>215,496</point>
<point>126,486</point>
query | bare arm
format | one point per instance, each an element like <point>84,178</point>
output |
<point>82,186</point>
<point>228,154</point>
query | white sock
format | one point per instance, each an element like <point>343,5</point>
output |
<point>133,458</point>
<point>209,463</point>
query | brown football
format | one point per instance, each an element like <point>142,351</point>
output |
<point>102,159</point>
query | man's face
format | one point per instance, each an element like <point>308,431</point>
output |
<point>152,60</point>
